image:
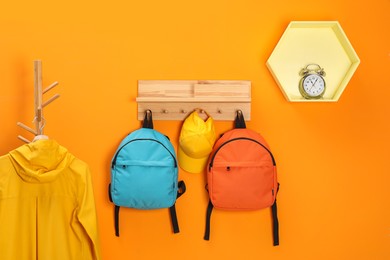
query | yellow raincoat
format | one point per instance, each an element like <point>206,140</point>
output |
<point>47,208</point>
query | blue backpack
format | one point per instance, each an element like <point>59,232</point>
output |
<point>144,173</point>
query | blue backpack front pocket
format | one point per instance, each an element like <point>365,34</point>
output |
<point>144,185</point>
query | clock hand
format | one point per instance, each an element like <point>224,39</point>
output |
<point>315,81</point>
<point>312,84</point>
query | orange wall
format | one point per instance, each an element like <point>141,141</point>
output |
<point>333,158</point>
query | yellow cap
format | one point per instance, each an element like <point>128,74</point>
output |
<point>196,142</point>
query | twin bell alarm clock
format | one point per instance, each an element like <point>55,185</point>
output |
<point>312,84</point>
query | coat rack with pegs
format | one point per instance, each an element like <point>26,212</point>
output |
<point>176,99</point>
<point>39,120</point>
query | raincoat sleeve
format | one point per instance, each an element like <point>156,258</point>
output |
<point>87,216</point>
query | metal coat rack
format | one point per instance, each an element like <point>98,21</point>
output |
<point>39,104</point>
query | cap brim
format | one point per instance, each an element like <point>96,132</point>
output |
<point>189,164</point>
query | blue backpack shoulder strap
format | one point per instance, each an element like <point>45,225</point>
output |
<point>172,210</point>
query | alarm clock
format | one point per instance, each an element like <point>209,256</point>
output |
<point>312,84</point>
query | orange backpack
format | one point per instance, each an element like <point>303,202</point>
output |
<point>241,174</point>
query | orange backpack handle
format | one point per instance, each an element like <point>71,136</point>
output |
<point>239,121</point>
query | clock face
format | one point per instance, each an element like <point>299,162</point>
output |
<point>313,85</point>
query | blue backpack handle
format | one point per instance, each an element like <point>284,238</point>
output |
<point>148,119</point>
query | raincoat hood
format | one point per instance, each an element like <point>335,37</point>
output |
<point>40,161</point>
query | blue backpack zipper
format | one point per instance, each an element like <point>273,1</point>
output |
<point>142,139</point>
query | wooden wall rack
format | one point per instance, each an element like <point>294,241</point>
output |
<point>176,99</point>
<point>39,120</point>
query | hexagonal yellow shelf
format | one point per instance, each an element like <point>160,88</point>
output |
<point>318,42</point>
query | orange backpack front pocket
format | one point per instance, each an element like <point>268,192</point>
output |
<point>242,185</point>
<point>242,175</point>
